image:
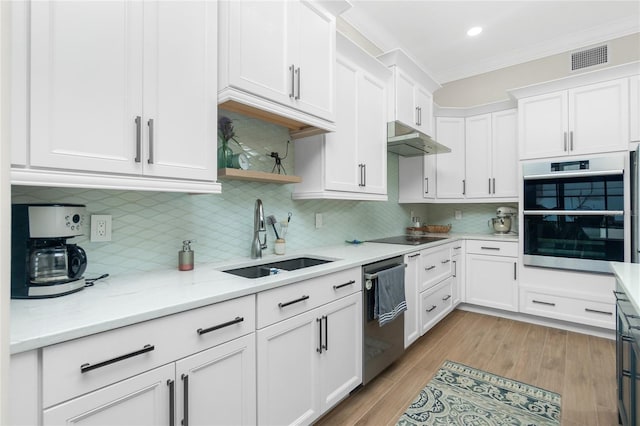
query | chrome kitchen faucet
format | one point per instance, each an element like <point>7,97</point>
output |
<point>258,226</point>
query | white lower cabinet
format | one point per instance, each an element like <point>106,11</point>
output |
<point>195,367</point>
<point>141,400</point>
<point>308,363</point>
<point>411,282</point>
<point>435,304</point>
<point>491,274</point>
<point>309,347</point>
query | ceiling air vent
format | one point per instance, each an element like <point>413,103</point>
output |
<point>589,57</point>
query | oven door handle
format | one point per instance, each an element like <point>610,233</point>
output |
<point>572,174</point>
<point>573,212</point>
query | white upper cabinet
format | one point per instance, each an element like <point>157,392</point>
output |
<point>411,103</point>
<point>350,163</point>
<point>634,108</point>
<point>492,155</point>
<point>278,51</point>
<point>123,88</point>
<point>584,120</point>
<point>450,170</point>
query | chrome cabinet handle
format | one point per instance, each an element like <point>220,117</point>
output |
<point>88,367</point>
<point>298,73</point>
<point>595,311</point>
<point>185,400</point>
<point>293,83</point>
<point>428,268</point>
<point>539,302</point>
<point>565,141</point>
<point>150,123</point>
<point>138,121</point>
<point>364,180</point>
<point>447,297</point>
<point>303,298</point>
<point>571,140</point>
<point>444,262</point>
<point>202,331</point>
<point>489,185</point>
<point>490,248</point>
<point>515,271</point>
<point>362,173</point>
<point>426,191</point>
<point>494,185</point>
<point>432,308</point>
<point>455,269</point>
<point>418,116</point>
<point>172,403</point>
<point>336,287</point>
<point>411,256</point>
<point>464,187</point>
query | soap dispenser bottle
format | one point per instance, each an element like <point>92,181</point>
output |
<point>185,256</point>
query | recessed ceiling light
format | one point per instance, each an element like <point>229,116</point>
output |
<point>474,31</point>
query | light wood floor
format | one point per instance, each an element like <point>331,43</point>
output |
<point>579,367</point>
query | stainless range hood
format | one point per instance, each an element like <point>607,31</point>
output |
<point>409,142</point>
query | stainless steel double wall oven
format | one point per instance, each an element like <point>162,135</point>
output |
<point>573,213</point>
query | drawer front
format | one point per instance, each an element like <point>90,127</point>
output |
<point>78,366</point>
<point>435,304</point>
<point>293,299</point>
<point>436,266</point>
<point>496,248</point>
<point>587,312</point>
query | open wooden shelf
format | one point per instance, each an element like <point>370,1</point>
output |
<point>256,176</point>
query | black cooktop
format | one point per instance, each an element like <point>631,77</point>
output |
<point>409,240</point>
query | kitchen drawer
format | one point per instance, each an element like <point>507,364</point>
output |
<point>436,266</point>
<point>435,304</point>
<point>496,248</point>
<point>124,352</point>
<point>547,304</point>
<point>293,299</point>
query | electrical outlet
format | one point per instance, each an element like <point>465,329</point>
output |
<point>458,214</point>
<point>318,220</point>
<point>100,227</point>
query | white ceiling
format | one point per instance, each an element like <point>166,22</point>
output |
<point>434,32</point>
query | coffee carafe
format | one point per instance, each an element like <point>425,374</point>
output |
<point>43,264</point>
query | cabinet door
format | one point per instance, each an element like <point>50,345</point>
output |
<point>288,370</point>
<point>411,315</point>
<point>634,113</point>
<point>314,36</point>
<point>218,386</point>
<point>504,153</point>
<point>405,108</point>
<point>543,125</point>
<point>424,103</point>
<point>492,281</point>
<point>372,141</point>
<point>435,304</point>
<point>478,156</point>
<point>341,358</point>
<point>141,400</point>
<point>450,172</point>
<point>261,68</point>
<point>86,85</point>
<point>180,123</point>
<point>341,147</point>
<point>599,117</point>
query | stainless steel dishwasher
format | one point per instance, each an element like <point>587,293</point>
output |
<point>381,345</point>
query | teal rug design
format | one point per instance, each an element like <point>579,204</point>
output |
<point>464,396</point>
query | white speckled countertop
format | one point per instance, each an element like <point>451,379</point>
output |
<point>127,299</point>
<point>628,275</point>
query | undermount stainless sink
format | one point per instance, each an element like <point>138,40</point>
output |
<point>272,268</point>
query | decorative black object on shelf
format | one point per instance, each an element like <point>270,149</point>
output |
<point>278,167</point>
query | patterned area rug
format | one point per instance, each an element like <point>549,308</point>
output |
<point>461,395</point>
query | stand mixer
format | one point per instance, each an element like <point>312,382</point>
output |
<point>501,224</point>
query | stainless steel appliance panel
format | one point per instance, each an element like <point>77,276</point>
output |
<point>381,345</point>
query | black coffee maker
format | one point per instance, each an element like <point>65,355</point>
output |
<point>43,264</point>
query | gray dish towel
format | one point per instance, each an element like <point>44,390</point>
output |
<point>390,301</point>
